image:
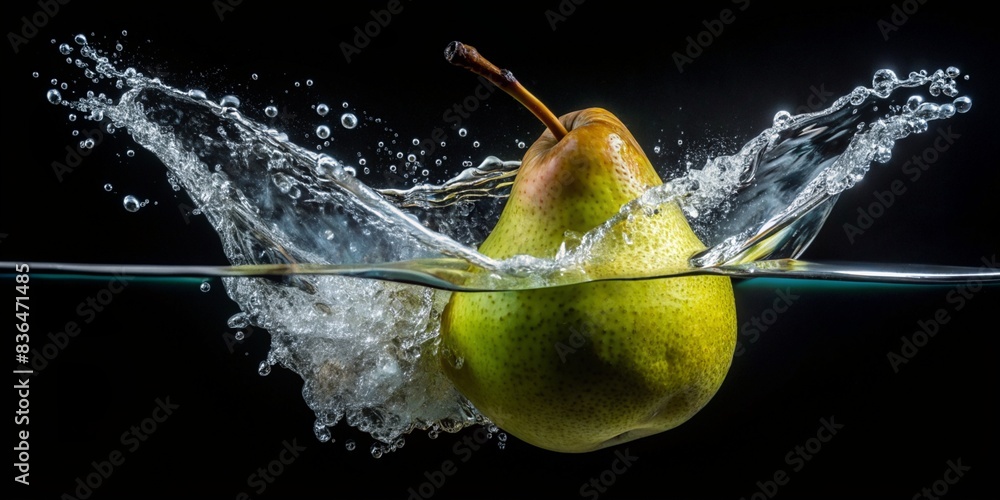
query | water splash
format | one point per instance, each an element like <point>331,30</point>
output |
<point>365,348</point>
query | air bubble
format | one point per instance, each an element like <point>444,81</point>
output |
<point>130,153</point>
<point>952,72</point>
<point>108,187</point>
<point>348,120</point>
<point>239,335</point>
<point>254,76</point>
<point>130,203</point>
<point>415,141</point>
<point>322,109</point>
<point>65,49</point>
<point>271,111</point>
<point>80,39</point>
<point>349,445</point>
<point>263,369</point>
<point>411,157</point>
<point>229,101</point>
<point>205,286</point>
<point>520,145</point>
<point>322,131</point>
<point>680,142</point>
<point>309,83</point>
<point>54,96</point>
<point>462,132</point>
<point>376,450</point>
<point>344,104</point>
<point>86,144</point>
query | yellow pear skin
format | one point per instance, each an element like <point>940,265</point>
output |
<point>583,367</point>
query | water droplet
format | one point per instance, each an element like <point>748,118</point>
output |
<point>205,286</point>
<point>322,131</point>
<point>271,111</point>
<point>348,120</point>
<point>229,101</point>
<point>54,96</point>
<point>351,171</point>
<point>963,104</point>
<point>263,369</point>
<point>108,187</point>
<point>462,132</point>
<point>343,104</point>
<point>349,445</point>
<point>124,32</point>
<point>475,144</point>
<point>376,450</point>
<point>411,157</point>
<point>362,162</point>
<point>884,82</point>
<point>239,335</point>
<point>72,117</point>
<point>238,320</point>
<point>520,145</point>
<point>253,76</point>
<point>65,49</point>
<point>309,83</point>
<point>86,144</point>
<point>782,119</point>
<point>952,72</point>
<point>322,109</point>
<point>130,153</point>
<point>130,203</point>
<point>80,39</point>
<point>119,47</point>
<point>425,172</point>
<point>198,94</point>
<point>322,431</point>
<point>680,142</point>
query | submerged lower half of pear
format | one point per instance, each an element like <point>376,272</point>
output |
<point>586,366</point>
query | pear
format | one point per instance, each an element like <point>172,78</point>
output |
<point>587,366</point>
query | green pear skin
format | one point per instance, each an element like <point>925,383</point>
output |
<point>583,367</point>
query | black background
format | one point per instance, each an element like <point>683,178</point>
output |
<point>825,357</point>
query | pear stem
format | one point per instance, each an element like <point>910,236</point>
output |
<point>469,58</point>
